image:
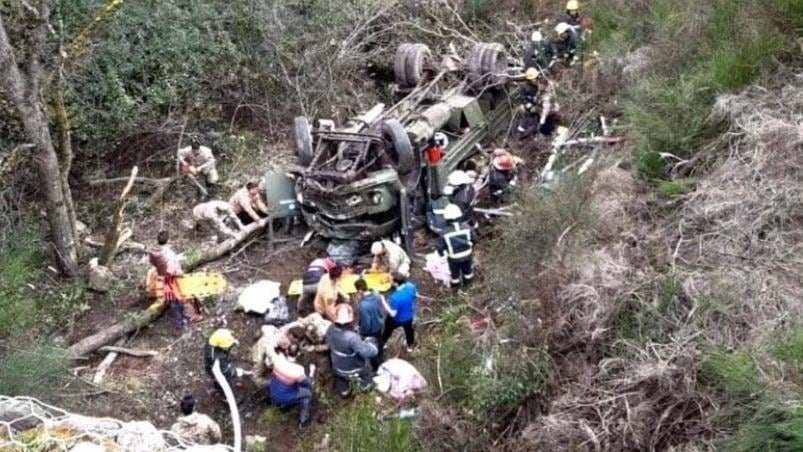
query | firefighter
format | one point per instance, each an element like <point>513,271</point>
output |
<point>436,148</point>
<point>216,352</point>
<point>572,16</point>
<point>566,44</point>
<point>350,353</point>
<point>457,244</point>
<point>435,220</point>
<point>538,53</point>
<point>463,195</point>
<point>502,177</point>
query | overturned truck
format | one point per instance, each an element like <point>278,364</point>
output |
<point>367,178</point>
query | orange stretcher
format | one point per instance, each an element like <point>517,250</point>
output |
<point>191,285</point>
<point>379,281</point>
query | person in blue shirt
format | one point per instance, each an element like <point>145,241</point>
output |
<point>401,310</point>
<point>289,386</point>
<point>371,317</point>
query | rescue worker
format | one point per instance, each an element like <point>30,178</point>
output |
<point>371,321</point>
<point>566,44</point>
<point>216,352</point>
<point>215,214</point>
<point>312,276</point>
<point>349,352</point>
<point>502,177</point>
<point>247,204</point>
<point>463,195</point>
<point>457,244</point>
<point>290,386</point>
<point>329,293</point>
<point>572,16</point>
<point>264,352</point>
<point>196,159</point>
<point>195,427</point>
<point>168,266</point>
<point>436,148</point>
<point>539,109</point>
<point>539,53</point>
<point>389,257</point>
<point>435,220</point>
<point>400,307</point>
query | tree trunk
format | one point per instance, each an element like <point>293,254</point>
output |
<point>27,99</point>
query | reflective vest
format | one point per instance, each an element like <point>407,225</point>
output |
<point>458,241</point>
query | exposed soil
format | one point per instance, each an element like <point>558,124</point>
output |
<point>150,388</point>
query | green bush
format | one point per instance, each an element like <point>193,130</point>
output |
<point>790,348</point>
<point>528,239</point>
<point>774,426</point>
<point>35,371</point>
<point>361,427</point>
<point>731,373</point>
<point>17,264</point>
<point>700,49</point>
<point>505,379</point>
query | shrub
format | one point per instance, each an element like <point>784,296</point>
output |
<point>774,426</point>
<point>35,371</point>
<point>505,379</point>
<point>361,427</point>
<point>16,266</point>
<point>730,373</point>
<point>528,239</point>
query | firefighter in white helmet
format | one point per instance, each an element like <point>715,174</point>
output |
<point>457,244</point>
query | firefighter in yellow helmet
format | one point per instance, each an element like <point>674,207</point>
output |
<point>572,16</point>
<point>216,352</point>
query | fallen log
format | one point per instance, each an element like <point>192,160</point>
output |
<point>115,180</point>
<point>140,320</point>
<point>128,351</point>
<point>125,246</point>
<point>107,362</point>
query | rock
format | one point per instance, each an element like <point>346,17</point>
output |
<point>635,62</point>
<point>82,229</point>
<point>140,436</point>
<point>255,443</point>
<point>100,279</point>
<point>21,414</point>
<point>84,424</point>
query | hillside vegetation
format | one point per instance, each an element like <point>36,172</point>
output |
<point>654,303</point>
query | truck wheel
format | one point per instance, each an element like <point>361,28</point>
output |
<point>494,62</point>
<point>474,62</point>
<point>486,62</point>
<point>401,153</point>
<point>400,65</point>
<point>409,67</point>
<point>418,58</point>
<point>302,139</point>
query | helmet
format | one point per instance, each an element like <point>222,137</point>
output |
<point>562,27</point>
<point>458,177</point>
<point>536,36</point>
<point>448,190</point>
<point>452,212</point>
<point>531,74</point>
<point>195,143</point>
<point>222,338</point>
<point>344,314</point>
<point>441,139</point>
<point>572,5</point>
<point>377,248</point>
<point>503,162</point>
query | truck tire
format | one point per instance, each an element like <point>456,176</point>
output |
<point>485,63</point>
<point>418,58</point>
<point>400,65</point>
<point>302,139</point>
<point>474,62</point>
<point>494,62</point>
<point>401,153</point>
